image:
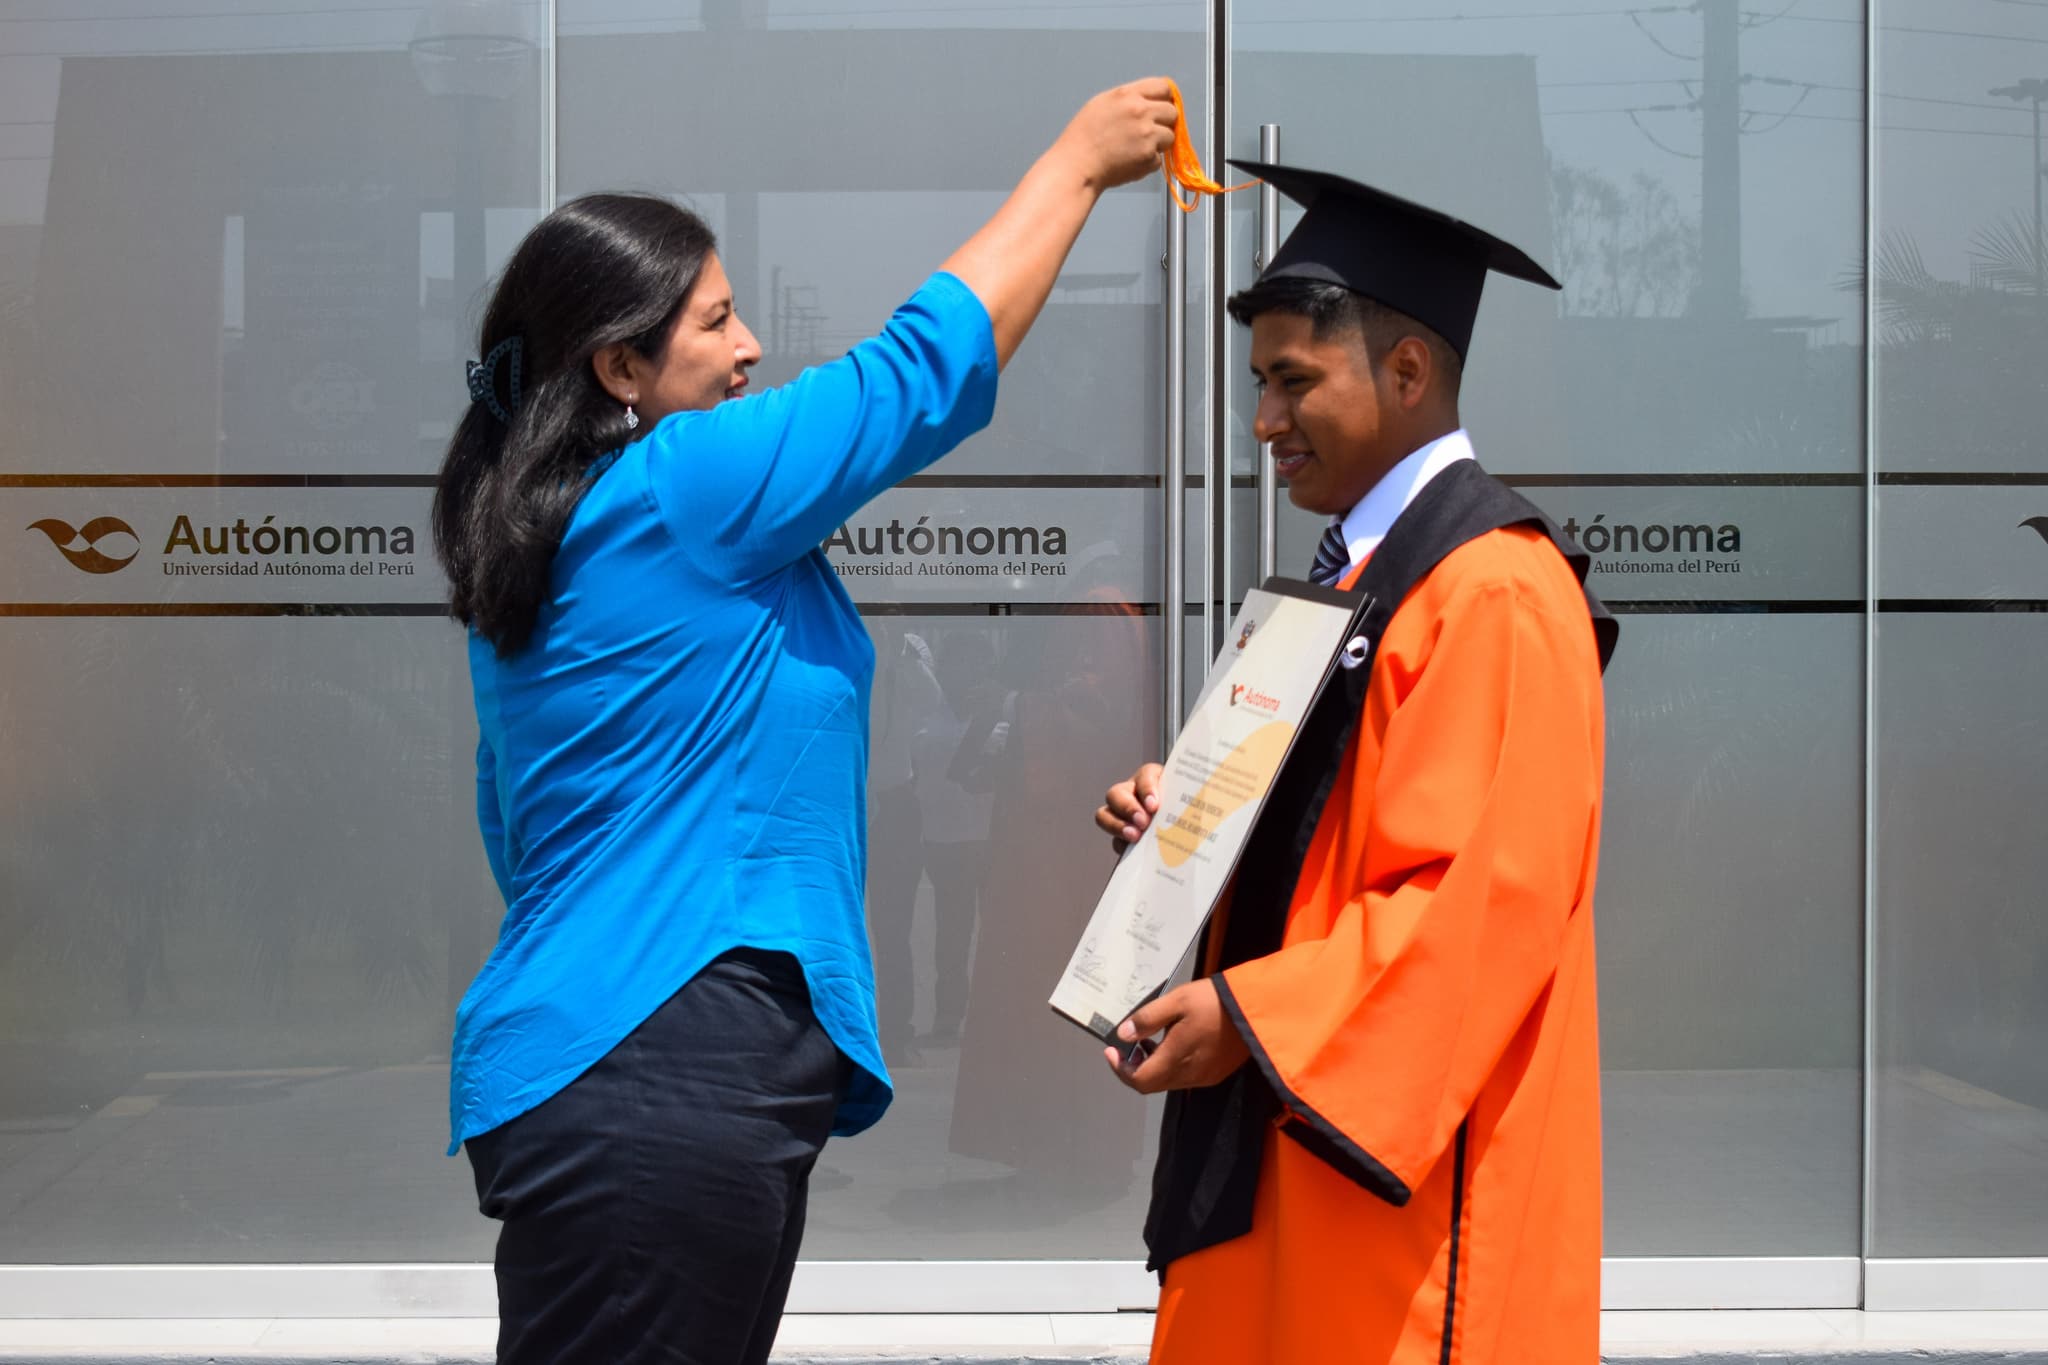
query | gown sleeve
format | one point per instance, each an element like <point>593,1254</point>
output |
<point>1473,848</point>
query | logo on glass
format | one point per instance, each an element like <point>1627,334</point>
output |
<point>2038,525</point>
<point>81,546</point>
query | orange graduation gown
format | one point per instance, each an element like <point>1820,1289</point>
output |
<point>1430,1014</point>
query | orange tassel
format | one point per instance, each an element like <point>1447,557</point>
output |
<point>1184,169</point>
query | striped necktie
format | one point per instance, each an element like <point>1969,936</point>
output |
<point>1333,557</point>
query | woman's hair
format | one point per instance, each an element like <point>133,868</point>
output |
<point>603,269</point>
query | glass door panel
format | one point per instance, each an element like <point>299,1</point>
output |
<point>1702,367</point>
<point>1016,591</point>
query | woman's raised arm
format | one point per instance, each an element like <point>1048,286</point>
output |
<point>751,486</point>
<point>1011,263</point>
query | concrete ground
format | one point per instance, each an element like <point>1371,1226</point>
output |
<point>1780,1338</point>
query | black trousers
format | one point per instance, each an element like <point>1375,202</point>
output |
<point>652,1210</point>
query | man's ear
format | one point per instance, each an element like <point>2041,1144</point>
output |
<point>617,368</point>
<point>1411,370</point>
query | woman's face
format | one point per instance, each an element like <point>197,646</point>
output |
<point>708,355</point>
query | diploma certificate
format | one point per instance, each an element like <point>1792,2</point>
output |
<point>1281,651</point>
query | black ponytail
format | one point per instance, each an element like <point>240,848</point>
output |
<point>604,269</point>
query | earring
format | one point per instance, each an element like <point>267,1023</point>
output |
<point>632,418</point>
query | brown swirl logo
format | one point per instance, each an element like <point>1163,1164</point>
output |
<point>2038,525</point>
<point>81,546</point>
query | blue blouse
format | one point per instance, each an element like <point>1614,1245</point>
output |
<point>676,765</point>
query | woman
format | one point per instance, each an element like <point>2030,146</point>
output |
<point>672,695</point>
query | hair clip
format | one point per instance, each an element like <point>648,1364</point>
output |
<point>483,379</point>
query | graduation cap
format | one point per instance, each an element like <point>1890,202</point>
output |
<point>1415,260</point>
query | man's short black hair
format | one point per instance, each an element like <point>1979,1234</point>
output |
<point>1332,309</point>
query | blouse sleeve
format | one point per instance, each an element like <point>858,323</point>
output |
<point>754,484</point>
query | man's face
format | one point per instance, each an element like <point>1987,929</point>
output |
<point>1323,408</point>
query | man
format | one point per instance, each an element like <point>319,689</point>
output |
<point>1383,1143</point>
<point>905,696</point>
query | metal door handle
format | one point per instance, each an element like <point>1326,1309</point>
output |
<point>1173,470</point>
<point>1269,246</point>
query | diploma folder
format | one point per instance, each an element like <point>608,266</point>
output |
<point>1289,639</point>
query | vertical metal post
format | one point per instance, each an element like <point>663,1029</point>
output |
<point>1720,282</point>
<point>550,110</point>
<point>1269,246</point>
<point>1173,469</point>
<point>1871,749</point>
<point>2040,271</point>
<point>1214,451</point>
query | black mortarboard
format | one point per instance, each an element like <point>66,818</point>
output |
<point>1415,260</point>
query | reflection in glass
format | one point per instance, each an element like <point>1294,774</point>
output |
<point>1961,945</point>
<point>242,891</point>
<point>1008,1137</point>
<point>233,903</point>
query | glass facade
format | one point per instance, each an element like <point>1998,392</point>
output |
<point>1789,399</point>
<point>238,257</point>
<point>1959,1124</point>
<point>1700,371</point>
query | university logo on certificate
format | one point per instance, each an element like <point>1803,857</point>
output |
<point>1287,640</point>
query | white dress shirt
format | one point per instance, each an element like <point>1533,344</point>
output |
<point>1367,524</point>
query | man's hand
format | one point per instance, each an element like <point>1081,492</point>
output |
<point>1201,1047</point>
<point>1128,807</point>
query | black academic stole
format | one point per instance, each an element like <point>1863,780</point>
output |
<point>1212,1140</point>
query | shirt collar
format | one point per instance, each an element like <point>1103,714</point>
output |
<point>1367,524</point>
